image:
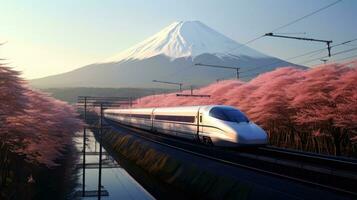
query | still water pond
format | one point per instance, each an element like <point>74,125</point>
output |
<point>115,180</point>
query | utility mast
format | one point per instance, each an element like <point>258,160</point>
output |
<point>328,42</point>
<point>220,66</point>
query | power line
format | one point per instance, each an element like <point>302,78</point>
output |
<point>288,24</point>
<point>308,15</point>
<point>300,55</point>
<point>345,51</point>
<point>220,66</point>
<point>328,42</point>
<point>170,83</point>
<point>294,33</point>
<point>248,42</point>
<point>346,58</point>
<point>315,54</point>
<point>281,61</point>
<point>250,75</point>
<point>283,26</point>
<point>338,53</point>
<point>278,28</point>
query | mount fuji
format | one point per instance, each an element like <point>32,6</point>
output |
<point>169,55</point>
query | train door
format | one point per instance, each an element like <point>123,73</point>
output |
<point>203,137</point>
<point>152,120</point>
<point>199,124</point>
<point>200,118</point>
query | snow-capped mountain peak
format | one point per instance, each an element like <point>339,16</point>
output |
<point>185,39</point>
<point>192,40</point>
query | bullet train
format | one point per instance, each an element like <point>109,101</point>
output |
<point>216,125</point>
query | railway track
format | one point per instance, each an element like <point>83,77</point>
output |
<point>325,172</point>
<point>333,165</point>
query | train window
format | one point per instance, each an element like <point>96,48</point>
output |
<point>141,116</point>
<point>190,119</point>
<point>228,114</point>
<point>218,113</point>
<point>121,114</point>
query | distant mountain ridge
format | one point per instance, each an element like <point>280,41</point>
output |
<point>170,55</point>
<point>185,39</point>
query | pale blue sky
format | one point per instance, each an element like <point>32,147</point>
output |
<point>50,37</point>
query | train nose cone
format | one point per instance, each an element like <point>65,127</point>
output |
<point>250,133</point>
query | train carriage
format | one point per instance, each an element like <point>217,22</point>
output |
<point>177,121</point>
<point>214,124</point>
<point>141,118</point>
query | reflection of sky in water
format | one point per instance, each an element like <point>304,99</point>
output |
<point>116,181</point>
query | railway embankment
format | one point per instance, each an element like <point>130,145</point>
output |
<point>182,174</point>
<point>190,176</point>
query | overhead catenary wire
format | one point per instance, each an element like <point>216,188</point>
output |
<point>250,75</point>
<point>281,61</point>
<point>297,56</point>
<point>300,55</point>
<point>345,51</point>
<point>346,58</point>
<point>287,24</point>
<point>315,54</point>
<point>338,53</point>
<point>275,29</point>
<point>310,60</point>
<point>236,69</point>
<point>170,83</point>
<point>295,33</point>
<point>328,42</point>
<point>306,16</point>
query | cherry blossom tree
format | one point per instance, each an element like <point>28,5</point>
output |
<point>296,107</point>
<point>270,108</point>
<point>314,103</point>
<point>33,125</point>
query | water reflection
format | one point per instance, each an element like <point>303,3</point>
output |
<point>115,180</point>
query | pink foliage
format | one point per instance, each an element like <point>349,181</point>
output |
<point>32,123</point>
<point>321,100</point>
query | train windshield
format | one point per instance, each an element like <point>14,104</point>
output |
<point>228,114</point>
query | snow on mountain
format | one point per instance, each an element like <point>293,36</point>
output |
<point>169,55</point>
<point>186,39</point>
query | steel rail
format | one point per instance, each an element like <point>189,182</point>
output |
<point>311,155</point>
<point>136,130</point>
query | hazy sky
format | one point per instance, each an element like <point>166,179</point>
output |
<point>49,37</point>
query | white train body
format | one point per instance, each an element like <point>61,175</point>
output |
<point>214,124</point>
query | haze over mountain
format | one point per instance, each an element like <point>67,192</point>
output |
<point>169,55</point>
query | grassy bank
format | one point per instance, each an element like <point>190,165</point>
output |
<point>183,176</point>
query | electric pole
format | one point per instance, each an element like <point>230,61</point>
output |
<point>170,83</point>
<point>220,66</point>
<point>328,42</point>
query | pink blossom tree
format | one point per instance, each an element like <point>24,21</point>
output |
<point>295,106</point>
<point>317,102</point>
<point>270,108</point>
<point>32,124</point>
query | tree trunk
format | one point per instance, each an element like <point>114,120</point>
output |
<point>3,165</point>
<point>337,144</point>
